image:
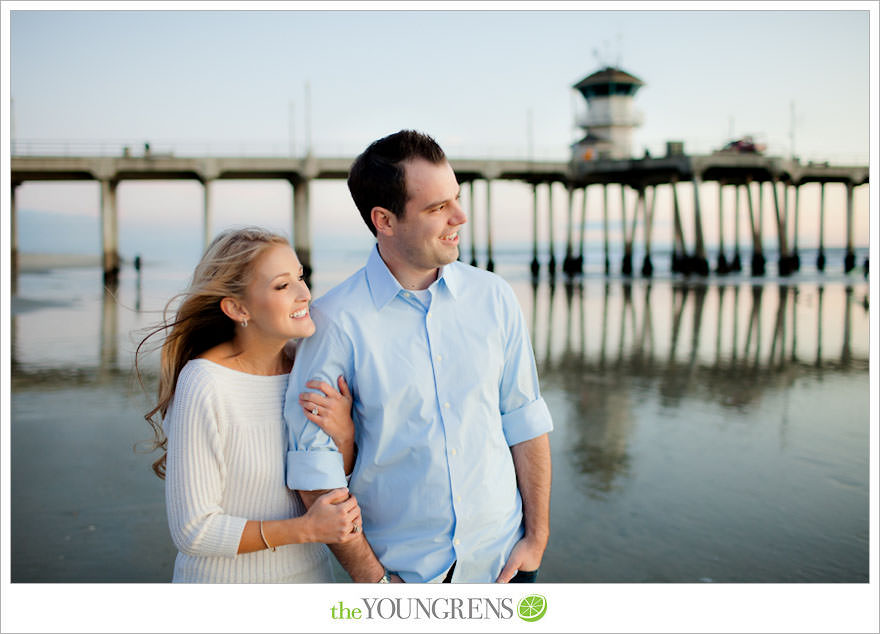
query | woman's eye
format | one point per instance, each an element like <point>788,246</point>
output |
<point>281,287</point>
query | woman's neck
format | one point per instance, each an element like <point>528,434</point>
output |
<point>250,357</point>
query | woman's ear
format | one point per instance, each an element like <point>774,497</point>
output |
<point>233,309</point>
<point>383,220</point>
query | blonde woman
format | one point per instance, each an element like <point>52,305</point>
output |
<point>225,362</point>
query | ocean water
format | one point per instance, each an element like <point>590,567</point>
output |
<point>706,430</point>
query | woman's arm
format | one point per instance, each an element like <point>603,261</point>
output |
<point>196,479</point>
<point>196,471</point>
<point>334,518</point>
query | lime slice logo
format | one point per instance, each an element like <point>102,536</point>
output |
<point>532,608</point>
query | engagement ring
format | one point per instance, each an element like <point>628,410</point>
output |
<point>314,411</point>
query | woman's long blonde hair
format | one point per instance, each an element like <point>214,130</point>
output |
<point>199,324</point>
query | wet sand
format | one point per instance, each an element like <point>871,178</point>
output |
<point>703,432</point>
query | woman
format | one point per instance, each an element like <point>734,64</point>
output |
<point>223,377</point>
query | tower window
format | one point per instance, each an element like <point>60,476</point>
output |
<point>606,90</point>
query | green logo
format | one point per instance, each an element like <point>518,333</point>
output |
<point>532,608</point>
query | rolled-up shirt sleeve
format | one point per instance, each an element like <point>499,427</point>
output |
<point>313,460</point>
<point>527,422</point>
<point>524,414</point>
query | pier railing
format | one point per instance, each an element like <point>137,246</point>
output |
<point>257,148</point>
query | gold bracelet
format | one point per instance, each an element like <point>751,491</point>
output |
<point>263,537</point>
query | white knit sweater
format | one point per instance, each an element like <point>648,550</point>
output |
<point>226,458</point>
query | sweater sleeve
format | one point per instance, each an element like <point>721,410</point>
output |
<point>196,472</point>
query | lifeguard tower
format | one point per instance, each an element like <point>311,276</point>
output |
<point>610,118</point>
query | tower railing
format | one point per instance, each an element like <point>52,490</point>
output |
<point>588,120</point>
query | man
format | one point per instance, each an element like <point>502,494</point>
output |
<point>453,463</point>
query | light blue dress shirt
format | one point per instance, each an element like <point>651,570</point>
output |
<point>440,394</point>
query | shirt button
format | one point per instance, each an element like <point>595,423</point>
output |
<point>429,314</point>
<point>458,498</point>
<point>446,405</point>
<point>453,451</point>
<point>406,295</point>
<point>457,542</point>
<point>439,357</point>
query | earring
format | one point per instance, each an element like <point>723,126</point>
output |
<point>244,323</point>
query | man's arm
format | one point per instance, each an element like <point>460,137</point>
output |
<point>313,459</point>
<point>531,461</point>
<point>526,421</point>
<point>356,556</point>
<point>314,464</point>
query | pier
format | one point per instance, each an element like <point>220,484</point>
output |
<point>748,174</point>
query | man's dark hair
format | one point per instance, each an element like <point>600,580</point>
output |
<point>377,177</point>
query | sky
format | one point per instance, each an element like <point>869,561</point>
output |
<point>488,82</point>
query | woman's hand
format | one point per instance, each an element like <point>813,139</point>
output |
<point>331,411</point>
<point>334,518</point>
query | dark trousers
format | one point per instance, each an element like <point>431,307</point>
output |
<point>521,576</point>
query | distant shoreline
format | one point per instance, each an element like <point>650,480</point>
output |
<point>44,262</point>
<point>31,262</point>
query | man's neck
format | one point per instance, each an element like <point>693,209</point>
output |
<point>407,276</point>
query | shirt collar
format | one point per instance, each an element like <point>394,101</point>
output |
<point>384,286</point>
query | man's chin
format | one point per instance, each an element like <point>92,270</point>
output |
<point>451,255</point>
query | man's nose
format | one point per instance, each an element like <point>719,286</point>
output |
<point>459,217</point>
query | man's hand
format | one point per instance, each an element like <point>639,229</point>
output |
<point>526,555</point>
<point>531,461</point>
<point>355,556</point>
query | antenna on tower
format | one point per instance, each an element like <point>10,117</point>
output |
<point>291,119</point>
<point>598,57</point>
<point>791,130</point>
<point>619,49</point>
<point>530,135</point>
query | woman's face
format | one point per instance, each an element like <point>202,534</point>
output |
<point>277,298</point>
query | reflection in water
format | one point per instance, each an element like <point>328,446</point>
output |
<point>819,328</point>
<point>139,292</point>
<point>636,332</point>
<point>628,339</point>
<point>734,357</point>
<point>97,360</point>
<point>846,352</point>
<point>755,323</point>
<point>109,356</point>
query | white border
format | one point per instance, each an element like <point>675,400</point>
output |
<point>571,607</point>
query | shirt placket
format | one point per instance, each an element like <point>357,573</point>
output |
<point>448,413</point>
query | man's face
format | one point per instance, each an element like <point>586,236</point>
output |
<point>426,236</point>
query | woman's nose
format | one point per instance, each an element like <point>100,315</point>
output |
<point>304,294</point>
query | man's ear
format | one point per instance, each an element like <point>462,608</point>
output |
<point>383,220</point>
<point>233,309</point>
